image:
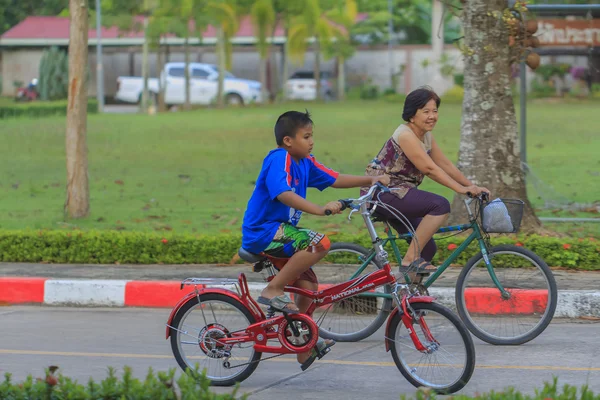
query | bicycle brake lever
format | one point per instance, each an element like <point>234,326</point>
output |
<point>351,212</point>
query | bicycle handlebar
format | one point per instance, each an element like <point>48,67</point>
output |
<point>483,196</point>
<point>348,202</point>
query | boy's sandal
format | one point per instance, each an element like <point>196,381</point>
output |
<point>420,266</point>
<point>279,303</point>
<point>319,351</point>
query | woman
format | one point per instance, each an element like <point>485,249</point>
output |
<point>409,155</point>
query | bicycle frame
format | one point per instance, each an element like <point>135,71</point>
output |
<point>379,244</point>
<point>264,329</point>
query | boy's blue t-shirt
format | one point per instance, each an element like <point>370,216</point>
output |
<point>279,173</point>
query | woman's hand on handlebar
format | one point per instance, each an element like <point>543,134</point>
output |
<point>474,190</point>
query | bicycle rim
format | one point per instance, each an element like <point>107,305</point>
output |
<point>450,361</point>
<point>507,321</point>
<point>195,339</point>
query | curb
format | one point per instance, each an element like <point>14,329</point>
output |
<point>166,294</point>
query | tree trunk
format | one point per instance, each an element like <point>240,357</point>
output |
<point>161,83</point>
<point>341,81</point>
<point>262,70</point>
<point>221,60</point>
<point>489,145</point>
<point>317,70</point>
<point>77,204</point>
<point>286,66</point>
<point>144,102</point>
<point>186,49</point>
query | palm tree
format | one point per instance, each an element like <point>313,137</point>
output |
<point>341,46</point>
<point>313,23</point>
<point>223,15</point>
<point>263,20</point>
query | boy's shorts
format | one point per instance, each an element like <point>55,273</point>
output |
<point>289,240</point>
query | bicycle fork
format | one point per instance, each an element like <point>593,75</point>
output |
<point>409,317</point>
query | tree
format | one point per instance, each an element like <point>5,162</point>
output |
<point>15,11</point>
<point>263,20</point>
<point>314,24</point>
<point>341,47</point>
<point>223,15</point>
<point>159,25</point>
<point>124,15</point>
<point>77,204</point>
<point>411,22</point>
<point>489,146</point>
<point>285,10</point>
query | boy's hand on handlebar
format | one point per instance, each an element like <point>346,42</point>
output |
<point>383,179</point>
<point>333,207</point>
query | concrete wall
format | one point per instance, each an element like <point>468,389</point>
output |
<point>367,63</point>
<point>18,65</point>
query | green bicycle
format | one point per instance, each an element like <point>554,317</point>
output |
<point>505,294</point>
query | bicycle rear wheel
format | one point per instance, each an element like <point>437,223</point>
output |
<point>511,320</point>
<point>195,333</point>
<point>358,317</point>
<point>449,361</point>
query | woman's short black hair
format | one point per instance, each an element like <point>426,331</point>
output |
<point>289,122</point>
<point>417,99</point>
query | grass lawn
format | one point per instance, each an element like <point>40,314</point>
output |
<point>195,171</point>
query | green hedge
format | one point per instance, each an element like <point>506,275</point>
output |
<point>162,385</point>
<point>37,109</point>
<point>108,247</point>
<point>194,385</point>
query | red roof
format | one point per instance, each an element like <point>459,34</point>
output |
<point>58,28</point>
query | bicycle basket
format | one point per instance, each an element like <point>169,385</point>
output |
<point>502,216</point>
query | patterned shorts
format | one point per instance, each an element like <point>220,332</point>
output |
<point>289,240</point>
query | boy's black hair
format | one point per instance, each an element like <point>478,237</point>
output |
<point>288,124</point>
<point>417,99</point>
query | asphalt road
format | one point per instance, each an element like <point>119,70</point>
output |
<point>85,342</point>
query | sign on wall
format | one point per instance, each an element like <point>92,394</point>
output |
<point>560,32</point>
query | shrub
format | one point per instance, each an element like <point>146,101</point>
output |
<point>53,74</point>
<point>38,109</point>
<point>108,247</point>
<point>454,95</point>
<point>163,385</point>
<point>369,92</point>
<point>459,80</point>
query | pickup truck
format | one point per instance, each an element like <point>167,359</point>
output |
<point>302,85</point>
<point>203,86</point>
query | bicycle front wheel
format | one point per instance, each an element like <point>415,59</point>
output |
<point>520,315</point>
<point>448,360</point>
<point>358,317</point>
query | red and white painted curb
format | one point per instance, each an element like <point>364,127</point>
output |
<point>125,293</point>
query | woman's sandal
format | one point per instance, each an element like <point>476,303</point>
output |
<point>419,266</point>
<point>279,303</point>
<point>319,351</point>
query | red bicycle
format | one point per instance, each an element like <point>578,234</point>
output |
<point>225,332</point>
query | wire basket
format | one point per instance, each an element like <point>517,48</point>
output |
<point>502,216</point>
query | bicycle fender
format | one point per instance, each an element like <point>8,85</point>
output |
<point>191,295</point>
<point>416,299</point>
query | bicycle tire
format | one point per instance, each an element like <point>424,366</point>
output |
<point>382,315</point>
<point>248,369</point>
<point>464,334</point>
<point>482,334</point>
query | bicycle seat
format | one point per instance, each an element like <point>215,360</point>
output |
<point>250,257</point>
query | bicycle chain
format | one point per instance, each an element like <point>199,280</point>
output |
<point>252,362</point>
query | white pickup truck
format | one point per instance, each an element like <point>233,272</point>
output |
<point>203,86</point>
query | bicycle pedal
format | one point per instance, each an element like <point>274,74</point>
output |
<point>323,353</point>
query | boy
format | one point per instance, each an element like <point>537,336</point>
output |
<point>276,205</point>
